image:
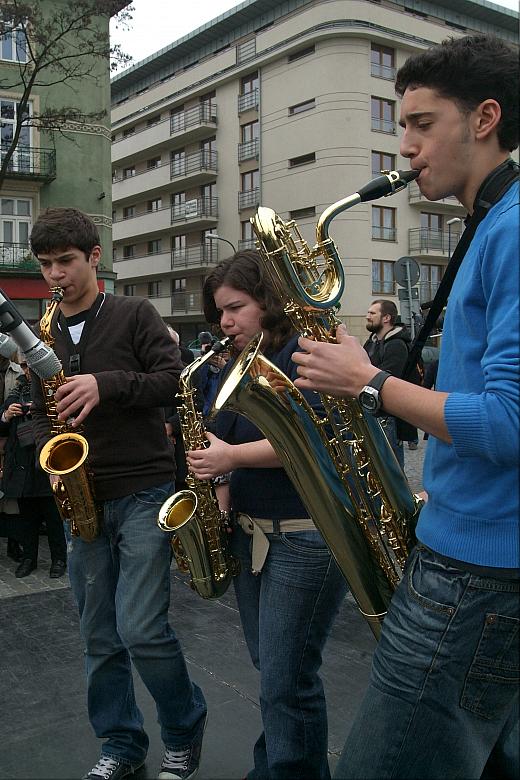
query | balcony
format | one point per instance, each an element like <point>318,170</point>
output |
<point>200,213</point>
<point>248,100</point>
<point>415,196</point>
<point>248,199</point>
<point>30,163</point>
<point>201,256</point>
<point>248,150</point>
<point>150,182</point>
<point>194,123</point>
<point>142,266</point>
<point>144,225</point>
<point>435,243</point>
<point>17,259</point>
<point>194,169</point>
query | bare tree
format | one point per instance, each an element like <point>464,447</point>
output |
<point>54,43</point>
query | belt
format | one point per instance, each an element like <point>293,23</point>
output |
<point>257,527</point>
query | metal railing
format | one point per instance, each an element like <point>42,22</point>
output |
<point>438,242</point>
<point>194,256</point>
<point>197,207</point>
<point>383,233</point>
<point>383,125</point>
<point>248,199</point>
<point>17,257</point>
<point>205,113</point>
<point>248,100</point>
<point>193,163</point>
<point>382,71</point>
<point>186,302</point>
<point>247,150</point>
<point>30,162</point>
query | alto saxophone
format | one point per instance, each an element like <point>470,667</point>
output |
<point>200,528</point>
<point>65,455</point>
<point>343,465</point>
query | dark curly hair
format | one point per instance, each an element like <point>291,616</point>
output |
<point>469,70</point>
<point>244,271</point>
<point>57,229</point>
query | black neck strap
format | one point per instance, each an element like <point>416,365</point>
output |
<point>489,193</point>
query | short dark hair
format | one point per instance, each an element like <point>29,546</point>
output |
<point>64,228</point>
<point>469,70</point>
<point>244,271</point>
<point>388,308</point>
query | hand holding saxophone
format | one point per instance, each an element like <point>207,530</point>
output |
<point>340,369</point>
<point>211,461</point>
<point>77,397</point>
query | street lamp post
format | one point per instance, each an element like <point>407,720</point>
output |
<point>449,223</point>
<point>215,237</point>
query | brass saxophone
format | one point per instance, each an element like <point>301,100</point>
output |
<point>343,465</point>
<point>65,455</point>
<point>200,538</point>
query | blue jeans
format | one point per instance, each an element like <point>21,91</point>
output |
<point>443,695</point>
<point>121,582</point>
<point>287,612</point>
<point>389,427</point>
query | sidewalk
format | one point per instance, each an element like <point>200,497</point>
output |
<point>45,734</point>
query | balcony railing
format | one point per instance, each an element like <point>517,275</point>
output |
<point>437,242</point>
<point>186,302</point>
<point>198,115</point>
<point>29,162</point>
<point>383,233</point>
<point>248,100</point>
<point>248,150</point>
<point>415,195</point>
<point>383,125</point>
<point>249,198</point>
<point>427,290</point>
<point>382,71</point>
<point>193,163</point>
<point>198,207</point>
<point>194,256</point>
<point>17,258</point>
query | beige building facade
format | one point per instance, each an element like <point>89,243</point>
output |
<point>289,105</point>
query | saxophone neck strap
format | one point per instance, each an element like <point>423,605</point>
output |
<point>490,192</point>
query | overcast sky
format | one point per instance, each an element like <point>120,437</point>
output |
<point>157,23</point>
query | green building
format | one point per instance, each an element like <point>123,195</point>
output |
<point>66,166</point>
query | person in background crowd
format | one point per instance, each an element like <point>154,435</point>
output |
<point>128,371</point>
<point>24,480</point>
<point>289,589</point>
<point>387,349</point>
<point>10,371</point>
<point>443,697</point>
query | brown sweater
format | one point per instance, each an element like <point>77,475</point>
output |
<point>137,366</point>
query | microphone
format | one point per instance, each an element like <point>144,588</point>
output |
<point>7,346</point>
<point>40,358</point>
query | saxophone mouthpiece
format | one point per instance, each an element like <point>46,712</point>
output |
<point>387,184</point>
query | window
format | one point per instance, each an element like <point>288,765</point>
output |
<point>208,146</point>
<point>177,163</point>
<point>431,231</point>
<point>383,223</point>
<point>154,205</point>
<point>129,250</point>
<point>246,233</point>
<point>431,276</point>
<point>177,119</point>
<point>303,159</point>
<point>249,181</point>
<point>129,289</point>
<point>154,162</point>
<point>382,161</point>
<point>153,120</point>
<point>154,247</point>
<point>299,108</point>
<point>128,131</point>
<point>21,159</point>
<point>383,115</point>
<point>249,83</point>
<point>129,172</point>
<point>382,277</point>
<point>128,212</point>
<point>13,44</point>
<point>178,284</point>
<point>382,62</point>
<point>297,55</point>
<point>250,132</point>
<point>15,224</point>
<point>209,190</point>
<point>308,211</point>
<point>154,288</point>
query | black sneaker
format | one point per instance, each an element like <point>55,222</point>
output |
<point>108,768</point>
<point>183,763</point>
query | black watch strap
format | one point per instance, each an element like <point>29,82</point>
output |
<point>378,381</point>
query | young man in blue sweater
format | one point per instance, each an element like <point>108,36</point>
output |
<point>443,696</point>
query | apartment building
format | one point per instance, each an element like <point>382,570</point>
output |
<point>65,167</point>
<point>289,105</point>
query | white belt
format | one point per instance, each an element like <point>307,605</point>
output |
<point>257,527</point>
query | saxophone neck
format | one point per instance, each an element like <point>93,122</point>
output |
<point>46,320</point>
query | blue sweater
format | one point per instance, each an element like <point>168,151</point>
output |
<point>473,510</point>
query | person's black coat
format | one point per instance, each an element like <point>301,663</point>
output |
<point>22,475</point>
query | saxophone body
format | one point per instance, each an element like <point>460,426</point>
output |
<point>357,494</point>
<point>200,528</point>
<point>65,454</point>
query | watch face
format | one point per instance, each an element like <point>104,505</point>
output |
<point>369,401</point>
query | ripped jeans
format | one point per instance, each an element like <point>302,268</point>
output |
<point>442,701</point>
<point>121,582</point>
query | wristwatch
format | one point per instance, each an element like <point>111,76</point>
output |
<point>369,397</point>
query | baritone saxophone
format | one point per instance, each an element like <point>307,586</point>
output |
<point>342,465</point>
